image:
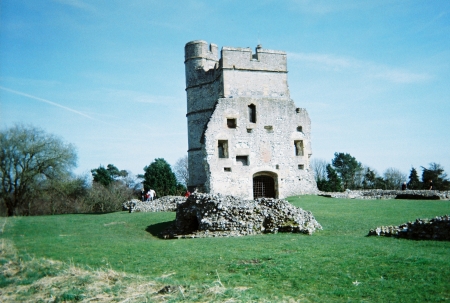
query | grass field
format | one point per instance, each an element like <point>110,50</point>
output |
<point>338,263</point>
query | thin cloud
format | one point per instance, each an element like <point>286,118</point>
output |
<point>323,7</point>
<point>159,134</point>
<point>367,68</point>
<point>138,97</point>
<point>432,22</point>
<point>48,102</point>
<point>325,60</point>
<point>76,4</point>
<point>399,76</point>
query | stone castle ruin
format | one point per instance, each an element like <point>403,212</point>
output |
<point>246,137</point>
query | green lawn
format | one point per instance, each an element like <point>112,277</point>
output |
<point>338,263</point>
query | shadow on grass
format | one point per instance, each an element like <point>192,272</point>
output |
<point>157,228</point>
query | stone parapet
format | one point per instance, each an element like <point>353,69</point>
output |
<point>262,60</point>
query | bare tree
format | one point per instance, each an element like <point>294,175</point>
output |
<point>181,170</point>
<point>133,181</point>
<point>319,167</point>
<point>394,178</point>
<point>29,160</point>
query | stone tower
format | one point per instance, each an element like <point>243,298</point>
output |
<point>245,135</point>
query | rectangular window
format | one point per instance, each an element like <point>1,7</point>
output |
<point>252,113</point>
<point>299,129</point>
<point>223,148</point>
<point>231,123</point>
<point>227,169</point>
<point>301,166</point>
<point>242,159</point>
<point>298,144</point>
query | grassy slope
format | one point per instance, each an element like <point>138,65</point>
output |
<point>338,263</point>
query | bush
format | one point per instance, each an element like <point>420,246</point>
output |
<point>100,199</point>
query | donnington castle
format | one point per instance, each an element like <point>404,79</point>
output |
<point>246,136</point>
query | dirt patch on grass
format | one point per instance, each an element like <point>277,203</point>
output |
<point>252,261</point>
<point>114,223</point>
<point>42,280</point>
<point>28,279</point>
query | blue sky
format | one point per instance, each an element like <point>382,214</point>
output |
<point>108,76</point>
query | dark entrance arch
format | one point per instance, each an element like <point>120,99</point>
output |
<point>263,186</point>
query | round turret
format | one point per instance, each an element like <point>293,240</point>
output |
<point>200,49</point>
<point>199,55</point>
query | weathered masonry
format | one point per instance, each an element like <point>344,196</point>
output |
<point>246,136</point>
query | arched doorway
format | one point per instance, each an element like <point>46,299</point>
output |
<point>263,186</point>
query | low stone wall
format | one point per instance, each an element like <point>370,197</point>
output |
<point>390,194</point>
<point>205,215</point>
<point>166,203</point>
<point>170,203</point>
<point>437,228</point>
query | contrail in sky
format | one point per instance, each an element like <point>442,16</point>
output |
<point>46,101</point>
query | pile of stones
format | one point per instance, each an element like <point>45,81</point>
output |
<point>206,215</point>
<point>389,194</point>
<point>166,203</point>
<point>437,228</point>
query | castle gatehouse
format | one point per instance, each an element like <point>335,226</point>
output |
<point>246,137</point>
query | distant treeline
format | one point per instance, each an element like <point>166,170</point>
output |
<point>345,172</point>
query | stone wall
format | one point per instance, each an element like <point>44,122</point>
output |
<point>205,215</point>
<point>389,194</point>
<point>166,203</point>
<point>268,150</point>
<point>437,228</point>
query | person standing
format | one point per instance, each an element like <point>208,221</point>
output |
<point>143,194</point>
<point>152,194</point>
<point>431,185</point>
<point>404,186</point>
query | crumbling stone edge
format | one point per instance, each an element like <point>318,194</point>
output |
<point>207,215</point>
<point>166,203</point>
<point>372,194</point>
<point>437,228</point>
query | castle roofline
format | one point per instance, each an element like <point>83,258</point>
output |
<point>248,49</point>
<point>199,42</point>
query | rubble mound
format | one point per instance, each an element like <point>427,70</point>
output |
<point>206,215</point>
<point>166,203</point>
<point>437,228</point>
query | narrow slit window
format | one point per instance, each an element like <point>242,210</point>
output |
<point>242,159</point>
<point>252,113</point>
<point>223,148</point>
<point>231,123</point>
<point>298,144</point>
